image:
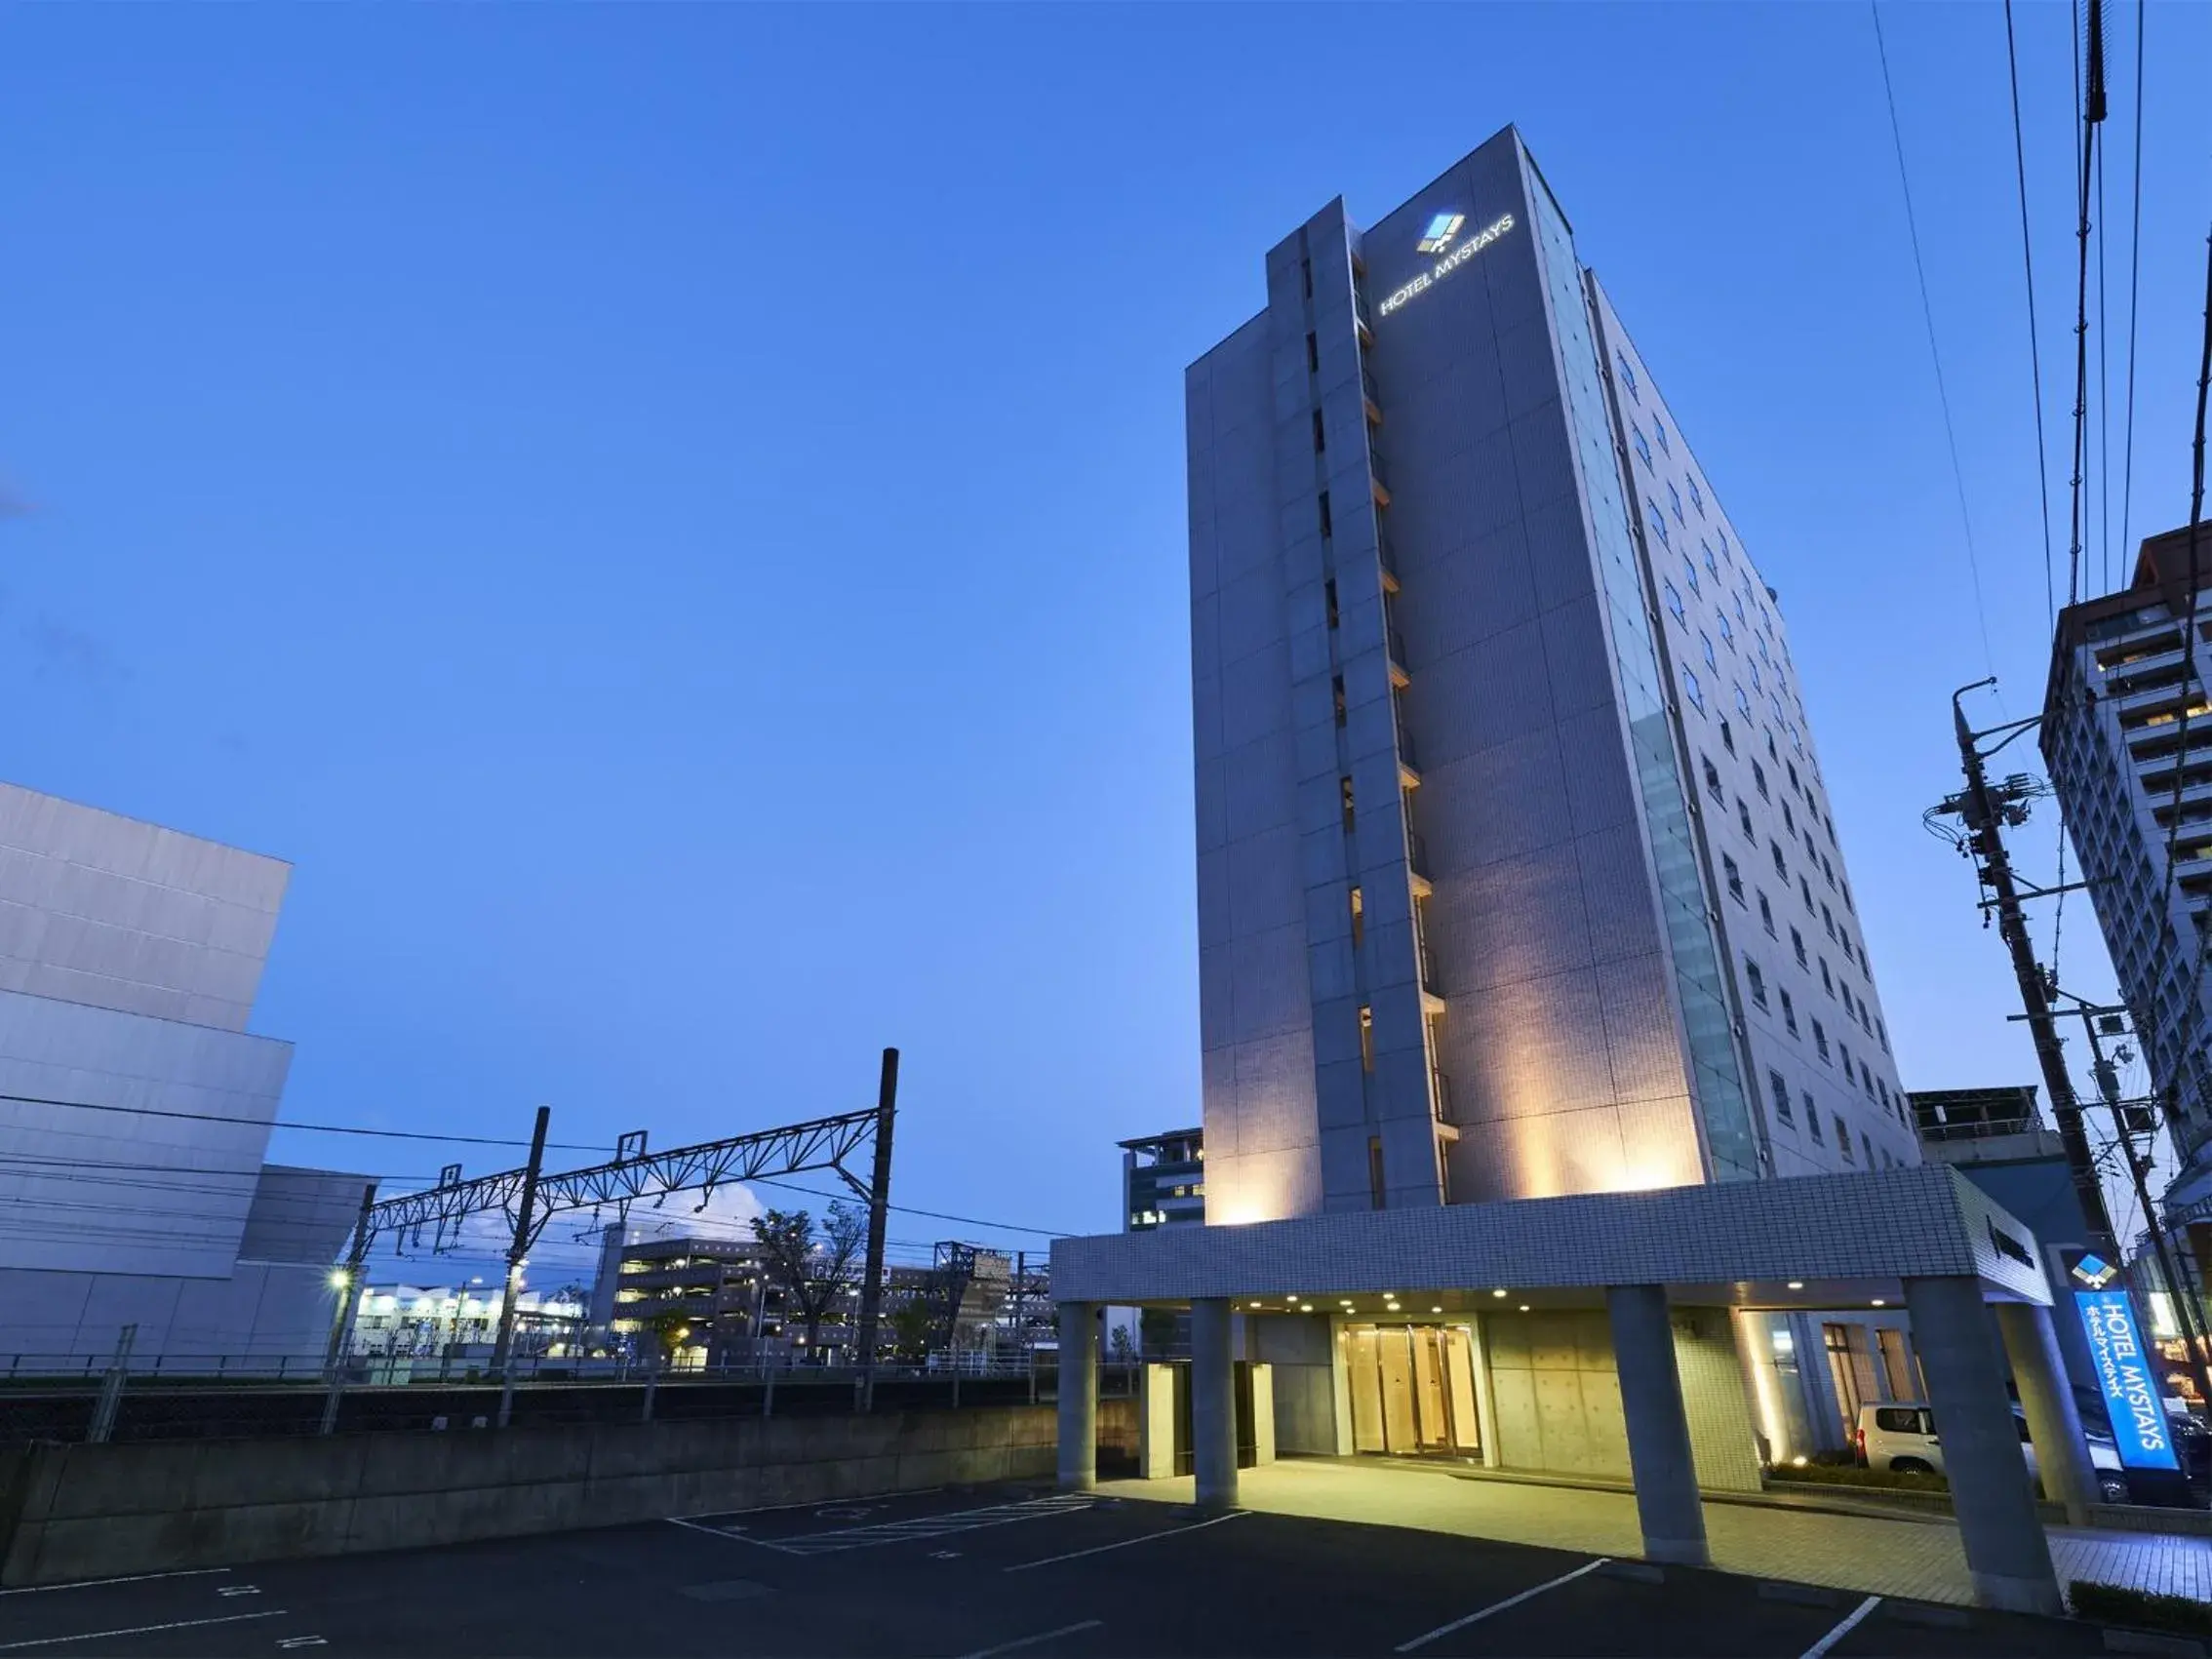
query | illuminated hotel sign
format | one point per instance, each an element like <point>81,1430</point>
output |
<point>1449,224</point>
<point>2125,1370</point>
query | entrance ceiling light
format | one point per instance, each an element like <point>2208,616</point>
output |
<point>1797,1284</point>
<point>1499,1294</point>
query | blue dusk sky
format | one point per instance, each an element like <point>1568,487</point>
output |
<point>672,518</point>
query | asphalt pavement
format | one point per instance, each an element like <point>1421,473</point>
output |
<point>978,1572</point>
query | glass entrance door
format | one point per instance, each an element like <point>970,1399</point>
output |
<point>1412,1389</point>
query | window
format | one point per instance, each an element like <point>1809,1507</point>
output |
<point>1788,1013</point>
<point>1884,1088</point>
<point>1845,888</point>
<point>1336,690</point>
<point>1727,632</point>
<point>1366,1038</point>
<point>1328,598</point>
<point>1722,537</point>
<point>1825,983</point>
<point>1659,431</point>
<point>1359,919</point>
<point>1827,870</point>
<point>1771,752</point>
<point>1711,662</point>
<point>1313,355</point>
<point>1727,738</point>
<point>1804,886</point>
<point>1818,1040</point>
<point>1712,778</point>
<point>1328,530</point>
<point>1375,1189</point>
<point>1866,1140</point>
<point>1797,944</point>
<point>1793,770</point>
<point>1881,1036</point>
<point>1754,684</point>
<point>1344,784</point>
<point>1734,877</point>
<point>1697,499</point>
<point>1756,980</point>
<point>1843,1139</point>
<point>1780,1088</point>
<point>1759,781</point>
<point>1689,573</point>
<point>1789,822</point>
<point>1306,276</point>
<point>1850,1071</point>
<point>1675,500</point>
<point>1740,616</point>
<point>1674,602</point>
<point>1693,691</point>
<point>1812,1116</point>
<point>1767,915</point>
<point>1866,1080</point>
<point>1643,444</point>
<point>1743,819</point>
<point>1812,850</point>
<point>1627,376</point>
<point>1321,434</point>
<point>1658,523</point>
<point>1780,868</point>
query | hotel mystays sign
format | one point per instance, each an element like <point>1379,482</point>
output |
<point>1451,263</point>
<point>2123,1374</point>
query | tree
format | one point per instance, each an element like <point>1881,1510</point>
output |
<point>911,1324</point>
<point>813,1272</point>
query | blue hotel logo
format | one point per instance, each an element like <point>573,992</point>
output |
<point>1441,229</point>
<point>2094,1273</point>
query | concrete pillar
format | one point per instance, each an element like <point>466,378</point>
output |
<point>1213,1405</point>
<point>2054,1421</point>
<point>1667,1504</point>
<point>1156,1423</point>
<point>2006,1551</point>
<point>1078,1396</point>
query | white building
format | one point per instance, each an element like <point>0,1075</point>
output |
<point>2127,734</point>
<point>1548,1099</point>
<point>135,1106</point>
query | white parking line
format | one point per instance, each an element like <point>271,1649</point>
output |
<point>910,1530</point>
<point>139,1630</point>
<point>1500,1606</point>
<point>1101,1549</point>
<point>96,1583</point>
<point>773,1509</point>
<point>1033,1641</point>
<point>1850,1622</point>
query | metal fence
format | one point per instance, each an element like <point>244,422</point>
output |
<point>191,1397</point>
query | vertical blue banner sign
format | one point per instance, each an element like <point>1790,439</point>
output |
<point>2125,1374</point>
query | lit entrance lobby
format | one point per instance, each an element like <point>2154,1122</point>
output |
<point>1594,1335</point>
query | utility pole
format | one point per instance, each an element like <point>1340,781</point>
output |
<point>1985,812</point>
<point>879,1217</point>
<point>2138,1171</point>
<point>502,1349</point>
<point>348,1280</point>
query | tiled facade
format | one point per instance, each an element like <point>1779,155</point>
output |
<point>2127,718</point>
<point>1466,927</point>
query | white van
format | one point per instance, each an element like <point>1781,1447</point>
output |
<point>1903,1439</point>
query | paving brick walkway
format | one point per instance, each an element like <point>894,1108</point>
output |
<point>1916,1556</point>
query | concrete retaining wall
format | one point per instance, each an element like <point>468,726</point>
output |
<point>69,1512</point>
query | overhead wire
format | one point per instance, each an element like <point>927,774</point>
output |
<point>2034,338</point>
<point>313,1129</point>
<point>2134,288</point>
<point>1935,355</point>
<point>2092,106</point>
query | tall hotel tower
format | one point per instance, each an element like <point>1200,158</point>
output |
<point>1518,874</point>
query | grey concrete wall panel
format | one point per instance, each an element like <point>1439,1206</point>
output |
<point>54,1051</point>
<point>104,910</point>
<point>300,1215</point>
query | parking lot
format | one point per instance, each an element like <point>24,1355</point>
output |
<point>975,1572</point>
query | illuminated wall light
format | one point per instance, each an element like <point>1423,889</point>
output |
<point>1797,1284</point>
<point>1880,1303</point>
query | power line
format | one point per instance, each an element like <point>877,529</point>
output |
<point>1928,314</point>
<point>2134,286</point>
<point>265,1124</point>
<point>2034,338</point>
<point>2092,115</point>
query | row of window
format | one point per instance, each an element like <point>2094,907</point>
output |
<point>1854,1071</point>
<point>1779,1087</point>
